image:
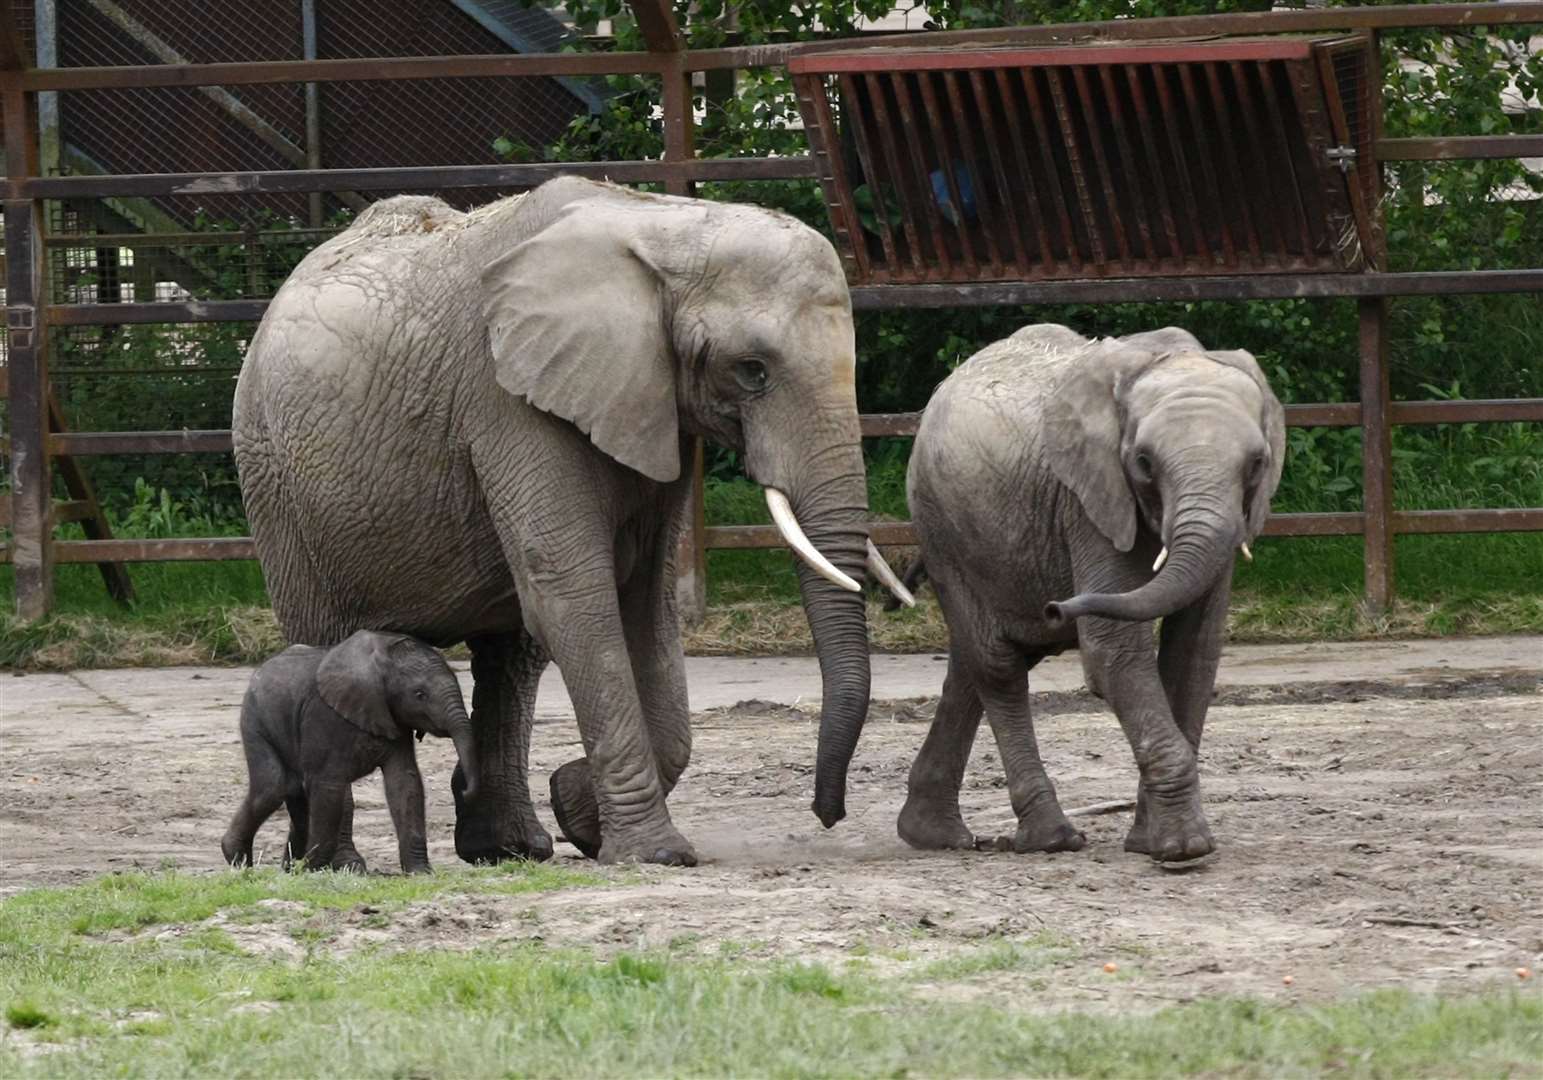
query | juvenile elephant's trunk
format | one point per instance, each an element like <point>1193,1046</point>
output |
<point>466,750</point>
<point>1201,551</point>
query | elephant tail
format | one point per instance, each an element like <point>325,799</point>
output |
<point>915,574</point>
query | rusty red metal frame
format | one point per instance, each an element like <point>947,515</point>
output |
<point>1028,241</point>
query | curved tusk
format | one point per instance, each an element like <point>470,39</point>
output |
<point>887,578</point>
<point>1162,557</point>
<point>1243,547</point>
<point>787,525</point>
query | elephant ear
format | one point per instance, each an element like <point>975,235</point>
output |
<point>352,681</point>
<point>577,323</point>
<point>1272,421</point>
<point>1083,424</point>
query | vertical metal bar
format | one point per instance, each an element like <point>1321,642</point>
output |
<point>858,119</point>
<point>1127,152</point>
<point>1145,123</point>
<point>1329,202</point>
<point>312,107</point>
<point>938,131</point>
<point>1111,200</point>
<point>27,342</point>
<point>911,132</point>
<point>1282,144</point>
<point>1262,180</point>
<point>1376,455</point>
<point>887,133</point>
<point>1074,160</point>
<point>1032,192</point>
<point>1193,108</point>
<point>814,106</point>
<point>1042,128</point>
<point>1229,153</point>
<point>988,221</point>
<point>994,138</point>
<point>46,31</point>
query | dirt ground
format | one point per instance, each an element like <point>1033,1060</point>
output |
<point>1370,835</point>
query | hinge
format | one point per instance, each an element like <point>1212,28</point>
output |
<point>1343,156</point>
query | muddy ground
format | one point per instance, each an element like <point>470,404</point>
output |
<point>1370,836</point>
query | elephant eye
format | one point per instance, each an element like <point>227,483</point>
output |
<point>1144,466</point>
<point>751,374</point>
<point>1255,467</point>
<point>420,695</point>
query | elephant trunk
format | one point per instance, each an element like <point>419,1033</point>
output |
<point>1200,552</point>
<point>466,750</point>
<point>833,515</point>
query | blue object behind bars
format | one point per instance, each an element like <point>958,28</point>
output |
<point>966,188</point>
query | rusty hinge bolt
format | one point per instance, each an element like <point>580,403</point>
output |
<point>1343,156</point>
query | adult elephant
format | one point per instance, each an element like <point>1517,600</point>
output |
<point>472,427</point>
<point>1127,471</point>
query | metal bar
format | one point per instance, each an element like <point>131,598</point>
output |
<point>156,312</point>
<point>369,69</point>
<point>911,132</point>
<point>1031,189</point>
<point>1159,181</point>
<point>656,22</point>
<point>896,173</point>
<point>390,179</point>
<point>940,59</point>
<point>312,106</point>
<point>96,443</point>
<point>1074,160</point>
<point>1219,287</point>
<point>1181,169</point>
<point>1258,156</point>
<point>859,121</point>
<point>182,239</point>
<point>27,364</point>
<point>86,509</point>
<point>1004,193</point>
<point>1127,152</point>
<point>981,184</point>
<point>1042,129</point>
<point>1229,153</point>
<point>1376,455</point>
<point>1460,148</point>
<point>1213,192</point>
<point>1106,176</point>
<point>939,138</point>
<point>215,548</point>
<point>1360,213</point>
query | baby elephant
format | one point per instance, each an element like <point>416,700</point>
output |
<point>1068,493</point>
<point>315,720</point>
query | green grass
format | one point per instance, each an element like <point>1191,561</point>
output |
<point>81,1004</point>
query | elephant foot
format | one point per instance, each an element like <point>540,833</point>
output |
<point>664,847</point>
<point>574,806</point>
<point>933,826</point>
<point>1046,829</point>
<point>348,860</point>
<point>235,855</point>
<point>1169,830</point>
<point>482,834</point>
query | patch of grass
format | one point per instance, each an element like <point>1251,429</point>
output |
<point>25,1015</point>
<point>1033,954</point>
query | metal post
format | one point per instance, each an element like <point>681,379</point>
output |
<point>46,30</point>
<point>312,107</point>
<point>31,480</point>
<point>1376,455</point>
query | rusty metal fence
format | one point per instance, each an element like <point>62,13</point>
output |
<point>34,310</point>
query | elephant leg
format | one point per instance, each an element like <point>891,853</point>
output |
<point>502,824</point>
<point>1042,825</point>
<point>345,856</point>
<point>1173,825</point>
<point>404,798</point>
<point>931,819</point>
<point>299,809</point>
<point>652,630</point>
<point>265,791</point>
<point>327,800</point>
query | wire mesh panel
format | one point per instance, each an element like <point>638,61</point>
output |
<point>1087,161</point>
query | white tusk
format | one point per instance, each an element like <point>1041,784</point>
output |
<point>1243,547</point>
<point>787,525</point>
<point>1162,557</point>
<point>887,578</point>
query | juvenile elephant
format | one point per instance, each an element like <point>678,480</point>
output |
<point>1127,472</point>
<point>471,427</point>
<point>315,720</point>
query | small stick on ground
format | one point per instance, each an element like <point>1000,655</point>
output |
<point>1114,806</point>
<point>1399,920</point>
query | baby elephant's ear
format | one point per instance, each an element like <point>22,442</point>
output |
<point>352,681</point>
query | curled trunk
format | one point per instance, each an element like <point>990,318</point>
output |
<point>1199,554</point>
<point>466,751</point>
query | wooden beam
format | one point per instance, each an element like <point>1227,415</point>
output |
<point>13,51</point>
<point>656,22</point>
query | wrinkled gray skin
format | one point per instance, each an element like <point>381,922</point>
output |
<point>1048,465</point>
<point>471,427</point>
<point>315,720</point>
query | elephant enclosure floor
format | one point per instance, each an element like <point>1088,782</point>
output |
<point>1371,834</point>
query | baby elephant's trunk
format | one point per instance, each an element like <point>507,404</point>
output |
<point>466,750</point>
